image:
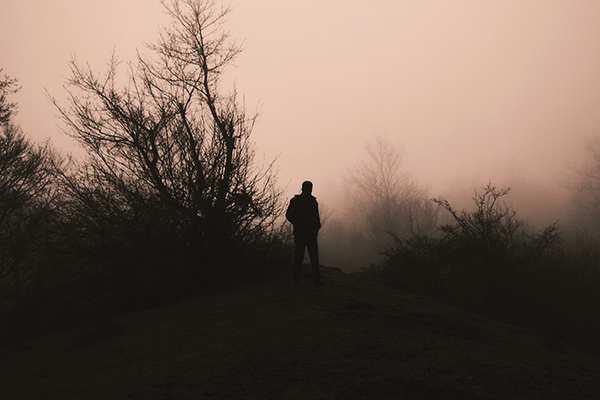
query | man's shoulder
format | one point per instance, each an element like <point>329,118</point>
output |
<point>303,198</point>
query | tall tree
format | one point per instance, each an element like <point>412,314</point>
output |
<point>170,143</point>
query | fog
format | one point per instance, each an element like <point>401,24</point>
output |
<point>472,91</point>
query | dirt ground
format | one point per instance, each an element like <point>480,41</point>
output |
<point>349,338</point>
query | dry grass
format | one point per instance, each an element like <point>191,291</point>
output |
<point>347,339</point>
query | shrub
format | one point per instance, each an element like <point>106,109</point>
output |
<point>485,259</point>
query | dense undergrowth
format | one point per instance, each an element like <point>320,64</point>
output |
<point>81,293</point>
<point>487,260</point>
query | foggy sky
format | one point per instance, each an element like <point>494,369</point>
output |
<point>472,90</point>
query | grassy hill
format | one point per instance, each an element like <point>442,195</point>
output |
<point>347,339</point>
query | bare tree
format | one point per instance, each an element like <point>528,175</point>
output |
<point>8,86</point>
<point>383,202</point>
<point>170,144</point>
<point>386,196</point>
<point>586,190</point>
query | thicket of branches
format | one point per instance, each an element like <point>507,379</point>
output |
<point>170,200</point>
<point>488,261</point>
<point>171,171</point>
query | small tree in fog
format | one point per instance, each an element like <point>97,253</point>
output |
<point>170,147</point>
<point>8,86</point>
<point>386,197</point>
<point>382,201</point>
<point>586,191</point>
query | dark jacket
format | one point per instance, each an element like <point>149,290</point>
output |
<point>303,213</point>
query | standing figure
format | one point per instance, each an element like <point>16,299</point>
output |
<point>303,213</point>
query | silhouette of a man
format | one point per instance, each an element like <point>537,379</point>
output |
<point>303,213</point>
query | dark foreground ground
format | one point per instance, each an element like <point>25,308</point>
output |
<point>347,339</point>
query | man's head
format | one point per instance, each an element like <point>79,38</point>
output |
<point>307,187</point>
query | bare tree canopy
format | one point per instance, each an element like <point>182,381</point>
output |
<point>8,86</point>
<point>386,196</point>
<point>171,134</point>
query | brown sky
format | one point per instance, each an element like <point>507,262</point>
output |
<point>471,89</point>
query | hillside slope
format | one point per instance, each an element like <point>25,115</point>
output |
<point>347,339</point>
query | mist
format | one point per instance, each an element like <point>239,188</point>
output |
<point>473,93</point>
<point>471,90</point>
<point>538,202</point>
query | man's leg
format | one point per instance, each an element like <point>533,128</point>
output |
<point>299,244</point>
<point>313,252</point>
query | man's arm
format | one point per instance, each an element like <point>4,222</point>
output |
<point>318,217</point>
<point>291,212</point>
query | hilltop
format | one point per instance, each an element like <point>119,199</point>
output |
<point>350,338</point>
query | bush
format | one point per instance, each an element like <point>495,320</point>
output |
<point>485,260</point>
